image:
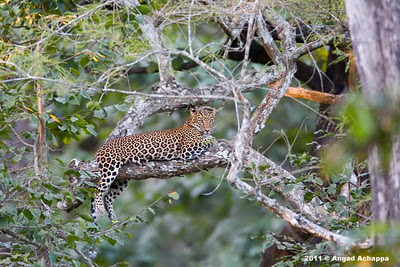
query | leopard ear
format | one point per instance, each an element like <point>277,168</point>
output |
<point>192,109</point>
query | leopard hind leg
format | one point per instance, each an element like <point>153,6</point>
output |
<point>97,208</point>
<point>108,174</point>
<point>93,248</point>
<point>97,205</point>
<point>103,186</point>
<point>115,190</point>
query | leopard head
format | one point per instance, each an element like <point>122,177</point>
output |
<point>202,119</point>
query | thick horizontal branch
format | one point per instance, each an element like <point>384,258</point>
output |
<point>216,156</point>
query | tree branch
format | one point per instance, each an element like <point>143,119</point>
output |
<point>320,97</point>
<point>163,58</point>
<point>218,156</point>
<point>286,34</point>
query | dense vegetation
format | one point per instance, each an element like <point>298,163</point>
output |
<point>69,70</point>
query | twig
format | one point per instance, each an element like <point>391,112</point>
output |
<point>267,40</point>
<point>41,143</point>
<point>19,137</point>
<point>125,222</point>
<point>84,258</point>
<point>251,28</point>
<point>21,238</point>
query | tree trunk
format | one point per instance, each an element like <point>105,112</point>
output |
<point>375,31</point>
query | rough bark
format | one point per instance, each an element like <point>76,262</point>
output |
<point>374,27</point>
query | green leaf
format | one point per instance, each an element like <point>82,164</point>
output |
<point>352,219</point>
<point>139,219</point>
<point>92,105</point>
<point>61,6</point>
<point>17,158</point>
<point>62,127</point>
<point>308,197</point>
<point>9,101</point>
<point>128,235</point>
<point>173,195</point>
<point>48,186</point>
<point>263,168</point>
<point>91,129</point>
<point>110,240</point>
<point>71,241</point>
<point>84,94</point>
<point>152,67</point>
<point>287,188</point>
<point>3,221</point>
<point>28,214</point>
<point>339,208</point>
<point>74,119</point>
<point>341,199</point>
<point>100,114</point>
<point>72,172</point>
<point>61,99</point>
<point>75,72</point>
<point>253,165</point>
<point>319,181</point>
<point>122,107</point>
<point>144,9</point>
<point>73,128</point>
<point>332,189</point>
<point>66,140</point>
<point>84,61</point>
<point>176,63</point>
<point>74,101</point>
<point>110,110</point>
<point>86,217</point>
<point>10,210</point>
<point>47,198</point>
<point>271,193</point>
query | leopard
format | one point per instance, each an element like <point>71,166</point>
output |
<point>186,142</point>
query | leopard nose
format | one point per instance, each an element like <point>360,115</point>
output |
<point>208,131</point>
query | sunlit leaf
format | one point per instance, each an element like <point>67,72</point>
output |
<point>54,118</point>
<point>173,195</point>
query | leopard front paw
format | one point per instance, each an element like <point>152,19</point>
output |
<point>209,141</point>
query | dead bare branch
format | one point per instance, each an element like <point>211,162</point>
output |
<point>320,97</point>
